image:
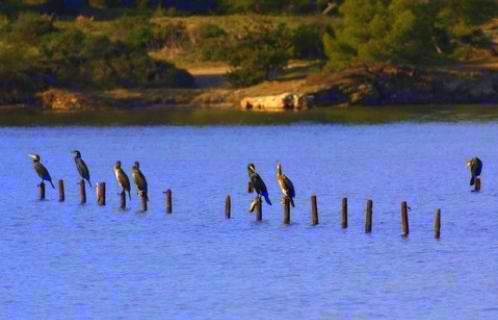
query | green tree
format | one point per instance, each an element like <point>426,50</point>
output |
<point>402,31</point>
<point>259,55</point>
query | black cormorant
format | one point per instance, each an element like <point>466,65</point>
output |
<point>40,169</point>
<point>140,180</point>
<point>285,184</point>
<point>122,178</point>
<point>82,167</point>
<point>475,166</point>
<point>257,183</point>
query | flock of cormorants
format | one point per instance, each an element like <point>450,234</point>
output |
<point>255,180</point>
<point>121,177</point>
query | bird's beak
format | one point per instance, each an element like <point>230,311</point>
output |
<point>32,156</point>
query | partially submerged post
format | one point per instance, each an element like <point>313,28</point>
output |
<point>122,200</point>
<point>82,192</point>
<point>405,227</point>
<point>169,201</point>
<point>101,193</point>
<point>62,195</point>
<point>259,209</point>
<point>368,217</point>
<point>286,210</point>
<point>437,224</point>
<point>344,213</point>
<point>41,191</point>
<point>314,210</point>
<point>228,207</point>
<point>477,186</point>
<point>143,200</point>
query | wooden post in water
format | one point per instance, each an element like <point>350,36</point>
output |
<point>228,207</point>
<point>344,213</point>
<point>405,226</point>
<point>143,200</point>
<point>169,201</point>
<point>41,191</point>
<point>368,217</point>
<point>437,224</point>
<point>286,210</point>
<point>82,192</point>
<point>122,200</point>
<point>314,210</point>
<point>101,193</point>
<point>250,189</point>
<point>259,209</point>
<point>62,195</point>
<point>477,186</point>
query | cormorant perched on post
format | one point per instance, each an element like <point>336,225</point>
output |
<point>41,170</point>
<point>122,178</point>
<point>257,183</point>
<point>81,166</point>
<point>285,184</point>
<point>140,180</point>
<point>475,166</point>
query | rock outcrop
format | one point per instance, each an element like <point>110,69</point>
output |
<point>280,102</point>
<point>400,85</point>
<point>64,100</point>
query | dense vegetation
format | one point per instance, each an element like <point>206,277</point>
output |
<point>35,53</point>
<point>110,43</point>
<point>177,7</point>
<point>406,31</point>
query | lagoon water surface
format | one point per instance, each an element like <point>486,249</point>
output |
<point>66,261</point>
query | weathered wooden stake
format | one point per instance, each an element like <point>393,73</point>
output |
<point>82,192</point>
<point>122,200</point>
<point>62,195</point>
<point>259,209</point>
<point>41,191</point>
<point>477,186</point>
<point>437,224</point>
<point>169,201</point>
<point>405,226</point>
<point>314,210</point>
<point>228,207</point>
<point>286,210</point>
<point>250,189</point>
<point>368,217</point>
<point>344,213</point>
<point>143,200</point>
<point>101,193</point>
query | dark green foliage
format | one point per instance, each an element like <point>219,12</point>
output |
<point>259,55</point>
<point>34,54</point>
<point>307,42</point>
<point>403,31</point>
<point>212,42</point>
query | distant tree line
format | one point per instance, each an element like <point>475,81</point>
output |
<point>177,6</point>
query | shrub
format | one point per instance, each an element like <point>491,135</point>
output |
<point>259,55</point>
<point>307,42</point>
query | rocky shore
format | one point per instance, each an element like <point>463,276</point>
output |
<point>366,85</point>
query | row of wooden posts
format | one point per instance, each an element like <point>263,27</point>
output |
<point>101,201</point>
<point>101,196</point>
<point>405,225</point>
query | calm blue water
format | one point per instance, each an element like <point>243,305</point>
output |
<point>66,261</point>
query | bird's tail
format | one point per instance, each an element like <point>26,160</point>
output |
<point>291,202</point>
<point>267,199</point>
<point>472,180</point>
<point>51,184</point>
